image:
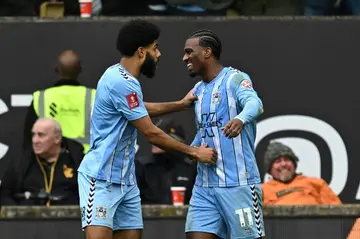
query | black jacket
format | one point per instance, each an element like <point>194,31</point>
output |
<point>156,174</point>
<point>13,179</point>
<point>31,116</point>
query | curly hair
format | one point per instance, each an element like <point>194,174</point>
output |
<point>135,34</point>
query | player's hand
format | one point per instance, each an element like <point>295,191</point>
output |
<point>233,128</point>
<point>188,100</point>
<point>205,155</point>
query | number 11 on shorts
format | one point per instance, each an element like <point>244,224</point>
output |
<point>241,213</point>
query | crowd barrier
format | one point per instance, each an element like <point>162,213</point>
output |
<point>167,222</point>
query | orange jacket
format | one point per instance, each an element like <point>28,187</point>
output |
<point>301,190</point>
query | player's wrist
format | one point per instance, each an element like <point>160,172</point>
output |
<point>181,104</point>
<point>240,118</point>
<point>193,154</point>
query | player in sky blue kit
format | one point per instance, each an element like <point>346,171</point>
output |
<point>109,197</point>
<point>227,196</point>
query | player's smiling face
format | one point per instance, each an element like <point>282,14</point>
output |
<point>193,56</point>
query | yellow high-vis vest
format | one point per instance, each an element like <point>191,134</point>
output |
<point>71,106</point>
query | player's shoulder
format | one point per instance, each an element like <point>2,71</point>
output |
<point>238,74</point>
<point>117,76</point>
<point>117,73</point>
<point>239,78</point>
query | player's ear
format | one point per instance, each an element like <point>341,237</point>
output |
<point>207,52</point>
<point>141,52</point>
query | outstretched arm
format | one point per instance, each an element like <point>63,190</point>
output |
<point>158,109</point>
<point>127,99</point>
<point>157,137</point>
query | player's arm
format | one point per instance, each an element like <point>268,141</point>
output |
<point>245,95</point>
<point>158,109</point>
<point>162,140</point>
<point>126,98</point>
<point>196,143</point>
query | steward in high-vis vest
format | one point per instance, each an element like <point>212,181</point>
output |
<point>67,101</point>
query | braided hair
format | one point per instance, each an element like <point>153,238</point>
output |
<point>208,39</point>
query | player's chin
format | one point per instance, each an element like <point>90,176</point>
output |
<point>192,74</point>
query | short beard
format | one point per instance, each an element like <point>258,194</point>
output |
<point>286,176</point>
<point>148,68</point>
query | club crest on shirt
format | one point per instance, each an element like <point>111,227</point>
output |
<point>216,97</point>
<point>68,172</point>
<point>101,212</point>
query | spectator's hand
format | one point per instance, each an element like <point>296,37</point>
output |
<point>188,100</point>
<point>233,128</point>
<point>205,155</point>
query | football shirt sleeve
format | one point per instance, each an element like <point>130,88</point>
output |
<point>246,97</point>
<point>126,96</point>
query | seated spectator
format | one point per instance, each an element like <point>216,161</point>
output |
<point>157,173</point>
<point>289,187</point>
<point>49,168</point>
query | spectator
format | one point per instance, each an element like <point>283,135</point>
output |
<point>49,167</point>
<point>289,187</point>
<point>69,102</point>
<point>157,173</point>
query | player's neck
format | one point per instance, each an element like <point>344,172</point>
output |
<point>212,72</point>
<point>131,66</point>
